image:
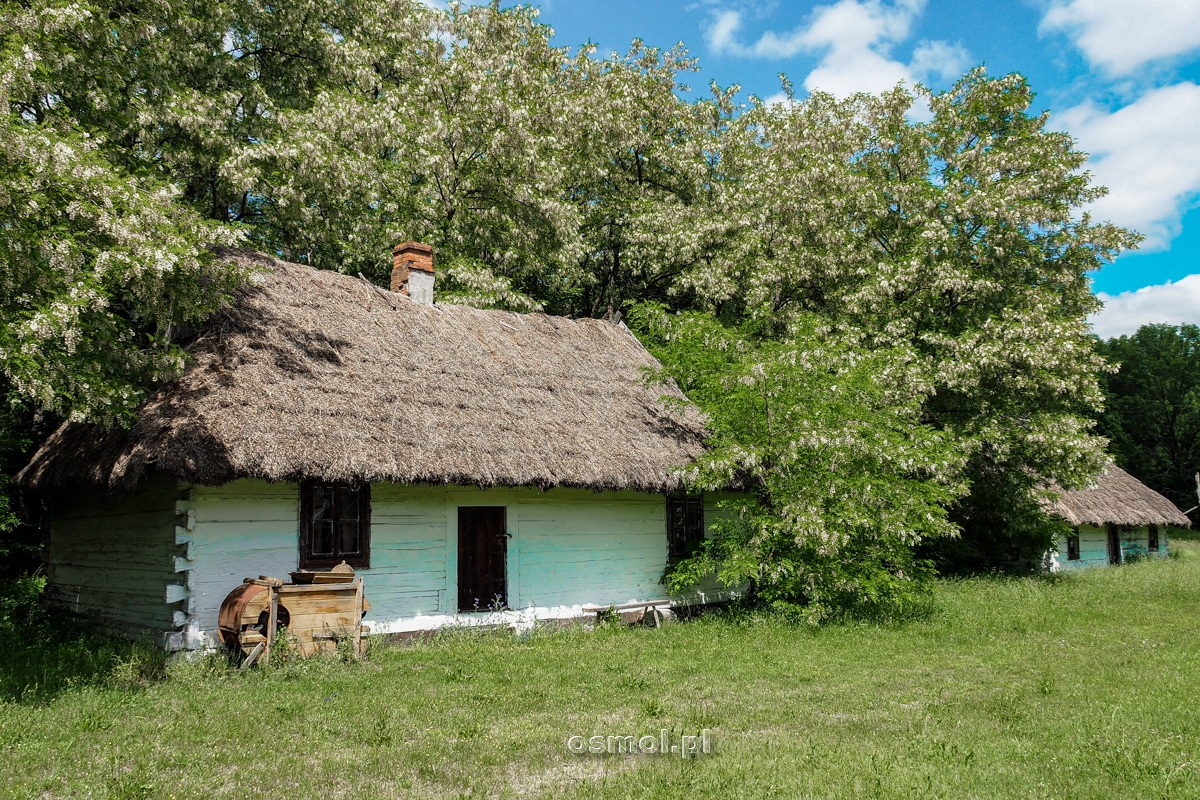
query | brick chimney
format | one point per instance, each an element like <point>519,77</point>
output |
<point>412,271</point>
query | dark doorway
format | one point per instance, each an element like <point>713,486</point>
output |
<point>482,557</point>
<point>1114,545</point>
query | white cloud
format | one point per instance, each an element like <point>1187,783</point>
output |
<point>855,39</point>
<point>1121,35</point>
<point>1147,154</point>
<point>940,60</point>
<point>1173,303</point>
<point>721,34</point>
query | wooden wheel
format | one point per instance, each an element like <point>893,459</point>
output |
<point>245,616</point>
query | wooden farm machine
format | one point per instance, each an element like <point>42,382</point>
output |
<point>318,610</point>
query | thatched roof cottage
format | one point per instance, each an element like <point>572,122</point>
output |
<point>459,459</point>
<point>1120,518</point>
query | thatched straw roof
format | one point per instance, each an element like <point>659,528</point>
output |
<point>1121,499</point>
<point>314,374</point>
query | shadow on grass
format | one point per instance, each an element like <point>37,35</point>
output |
<point>44,652</point>
<point>919,608</point>
<point>999,577</point>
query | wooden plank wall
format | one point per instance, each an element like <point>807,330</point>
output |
<point>568,547</point>
<point>110,558</point>
<point>576,547</point>
<point>409,553</point>
<point>242,529</point>
<point>1140,537</point>
<point>1093,549</point>
<point>1093,545</point>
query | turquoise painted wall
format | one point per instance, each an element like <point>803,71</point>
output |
<point>1093,549</point>
<point>161,561</point>
<point>409,551</point>
<point>576,547</point>
<point>242,529</point>
<point>1093,545</point>
<point>569,547</point>
<point>1140,538</point>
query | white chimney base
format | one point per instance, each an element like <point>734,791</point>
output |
<point>420,287</point>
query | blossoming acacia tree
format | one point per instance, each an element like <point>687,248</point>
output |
<point>959,239</point>
<point>839,478</point>
<point>947,254</point>
<point>99,266</point>
<point>946,259</point>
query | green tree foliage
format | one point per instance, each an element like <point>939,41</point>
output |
<point>100,264</point>
<point>959,240</point>
<point>948,254</point>
<point>840,478</point>
<point>20,543</point>
<point>1152,416</point>
<point>98,269</point>
<point>326,131</point>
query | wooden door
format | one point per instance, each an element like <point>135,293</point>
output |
<point>1114,545</point>
<point>482,558</point>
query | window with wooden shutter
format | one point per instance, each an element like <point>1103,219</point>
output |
<point>335,525</point>
<point>685,526</point>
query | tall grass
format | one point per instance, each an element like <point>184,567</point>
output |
<point>1075,686</point>
<point>44,653</point>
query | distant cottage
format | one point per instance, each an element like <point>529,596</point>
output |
<point>1118,518</point>
<point>462,460</point>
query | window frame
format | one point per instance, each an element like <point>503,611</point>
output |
<point>361,560</point>
<point>675,553</point>
<point>1152,543</point>
<point>1073,545</point>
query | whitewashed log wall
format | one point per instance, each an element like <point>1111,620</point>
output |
<point>112,560</point>
<point>163,559</point>
<point>1093,545</point>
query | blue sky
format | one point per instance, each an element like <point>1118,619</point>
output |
<point>1120,75</point>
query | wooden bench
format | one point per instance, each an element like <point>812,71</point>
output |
<point>653,607</point>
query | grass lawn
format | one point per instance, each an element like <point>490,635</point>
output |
<point>1084,686</point>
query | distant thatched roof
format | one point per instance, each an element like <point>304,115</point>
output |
<point>1121,499</point>
<point>314,374</point>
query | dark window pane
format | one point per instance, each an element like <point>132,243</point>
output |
<point>322,522</point>
<point>322,503</point>
<point>335,526</point>
<point>347,503</point>
<point>322,533</point>
<point>1073,547</point>
<point>348,541</point>
<point>685,526</point>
